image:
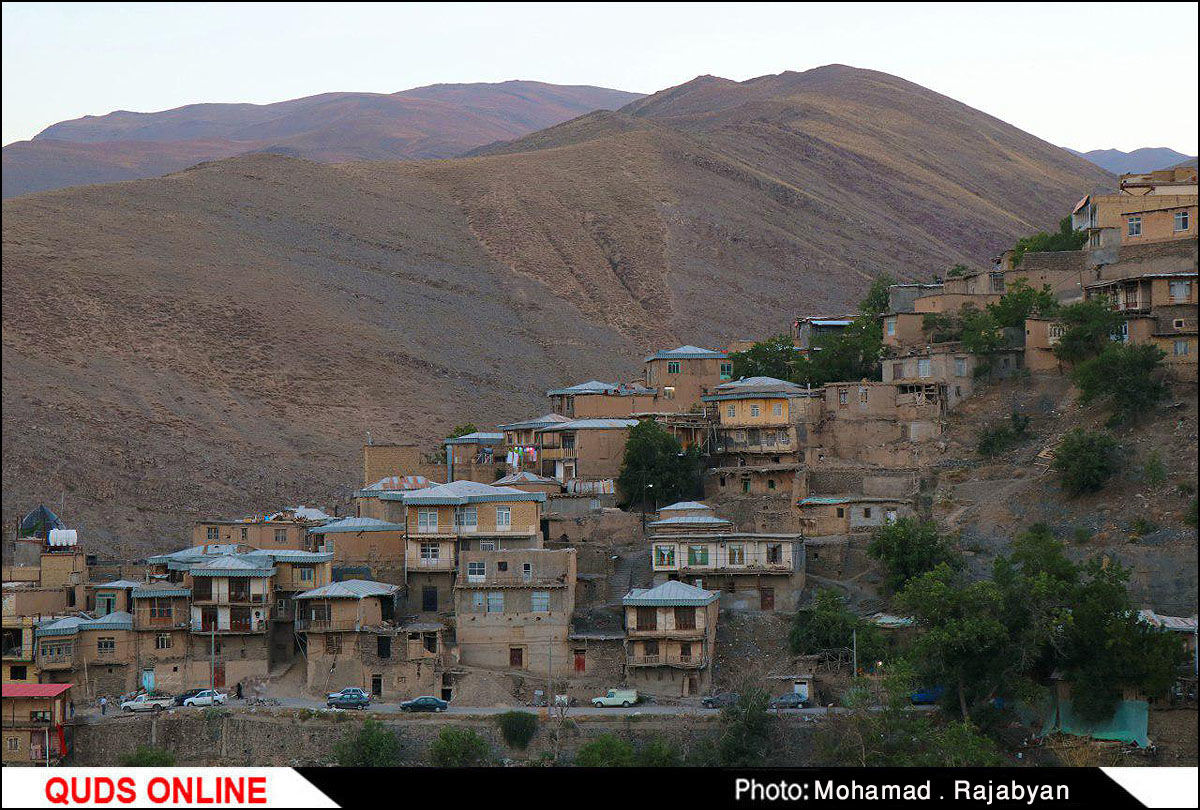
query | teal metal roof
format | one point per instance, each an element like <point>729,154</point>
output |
<point>354,525</point>
<point>153,593</point>
<point>458,493</point>
<point>670,594</point>
<point>350,589</point>
<point>478,437</point>
<point>69,625</point>
<point>686,353</point>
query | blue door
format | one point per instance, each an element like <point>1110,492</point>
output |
<point>148,680</point>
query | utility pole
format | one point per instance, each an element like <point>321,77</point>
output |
<point>212,654</point>
<point>854,641</point>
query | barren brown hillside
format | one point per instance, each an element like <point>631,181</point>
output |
<point>220,339</point>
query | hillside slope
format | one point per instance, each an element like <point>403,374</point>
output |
<point>438,121</point>
<point>218,340</point>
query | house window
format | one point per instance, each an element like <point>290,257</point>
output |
<point>777,409</point>
<point>212,533</point>
<point>539,602</point>
<point>427,520</point>
<point>1178,323</point>
<point>685,618</point>
<point>754,410</point>
<point>897,371</point>
<point>1094,239</point>
<point>863,395</point>
<point>1134,226</point>
<point>1181,348</point>
<point>16,673</point>
<point>890,326</point>
<point>430,551</point>
<point>664,556</point>
<point>466,517</point>
<point>673,368</point>
<point>697,555</point>
<point>489,545</point>
<point>841,512</point>
<point>245,534</point>
<point>281,535</point>
<point>14,744</point>
<point>503,518</point>
<point>650,648</point>
<point>162,641</point>
<point>924,367</point>
<point>526,571</point>
<point>1183,220</point>
<point>770,483</point>
<point>727,371</point>
<point>306,573</point>
<point>333,644</point>
<point>647,618</point>
<point>960,366</point>
<point>774,553</point>
<point>867,512</point>
<point>106,645</point>
<point>843,397</point>
<point>495,602</point>
<point>685,652</point>
<point>737,555</point>
<point>668,392</point>
<point>731,411</point>
<point>746,485</point>
<point>1180,290</point>
<point>105,604</point>
<point>476,571</point>
<point>478,602</point>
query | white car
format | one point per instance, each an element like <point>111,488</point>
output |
<point>209,697</point>
<point>148,703</point>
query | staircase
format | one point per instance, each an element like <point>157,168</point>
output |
<point>630,570</point>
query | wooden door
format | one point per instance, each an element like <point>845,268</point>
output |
<point>766,598</point>
<point>516,657</point>
<point>580,661</point>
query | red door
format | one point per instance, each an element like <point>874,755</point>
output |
<point>580,661</point>
<point>766,598</point>
<point>218,675</point>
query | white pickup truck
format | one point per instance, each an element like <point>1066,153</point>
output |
<point>148,703</point>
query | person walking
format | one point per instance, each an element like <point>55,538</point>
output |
<point>103,706</point>
<point>71,706</point>
<point>238,689</point>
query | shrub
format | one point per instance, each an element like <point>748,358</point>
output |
<point>606,751</point>
<point>1065,238</point>
<point>1085,460</point>
<point>1082,534</point>
<point>1125,378</point>
<point>1154,470</point>
<point>149,757</point>
<point>996,440</point>
<point>459,748</point>
<point>517,728</point>
<point>372,746</point>
<point>1190,516</point>
<point>1089,327</point>
<point>828,624</point>
<point>745,737</point>
<point>908,548</point>
<point>660,753</point>
<point>1142,527</point>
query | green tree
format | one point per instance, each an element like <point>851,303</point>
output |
<point>852,354</point>
<point>829,624</point>
<point>606,751</point>
<point>981,334</point>
<point>1065,238</point>
<point>876,301</point>
<point>773,357</point>
<point>1020,301</point>
<point>1126,378</point>
<point>660,753</point>
<point>149,757</point>
<point>372,746</point>
<point>746,726</point>
<point>1085,460</point>
<point>517,728</point>
<point>909,547</point>
<point>459,748</point>
<point>957,271</point>
<point>656,467</point>
<point>1088,329</point>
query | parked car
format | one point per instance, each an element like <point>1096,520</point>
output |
<point>721,700</point>
<point>928,695</point>
<point>148,703</point>
<point>179,699</point>
<point>349,698</point>
<point>616,697</point>
<point>788,700</point>
<point>426,703</point>
<point>206,697</point>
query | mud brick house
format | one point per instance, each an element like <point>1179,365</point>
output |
<point>602,400</point>
<point>162,636</point>
<point>521,441</point>
<point>948,363</point>
<point>442,522</point>
<point>809,331</point>
<point>477,456</point>
<point>33,717</point>
<point>530,482</point>
<point>670,635</point>
<point>285,529</point>
<point>1159,309</point>
<point>352,637</point>
<point>684,375</point>
<point>513,609</point>
<point>1148,207</point>
<point>96,656</point>
<point>367,501</point>
<point>826,515</point>
<point>588,449</point>
<point>753,571</point>
<point>19,663</point>
<point>365,543</point>
<point>765,425</point>
<point>879,423</point>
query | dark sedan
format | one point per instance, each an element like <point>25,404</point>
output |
<point>789,700</point>
<point>720,701</point>
<point>427,703</point>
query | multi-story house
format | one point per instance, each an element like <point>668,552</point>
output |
<point>602,400</point>
<point>809,331</point>
<point>367,501</point>
<point>477,456</point>
<point>754,571</point>
<point>19,663</point>
<point>682,376</point>
<point>442,522</point>
<point>352,638</point>
<point>760,442</point>
<point>287,529</point>
<point>830,515</point>
<point>367,546</point>
<point>670,636</point>
<point>95,655</point>
<point>1159,309</point>
<point>521,441</point>
<point>588,449</point>
<point>231,615</point>
<point>34,717</point>
<point>1149,207</point>
<point>513,609</point>
<point>949,363</point>
<point>163,637</point>
<point>886,424</point>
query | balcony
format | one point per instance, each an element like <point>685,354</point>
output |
<point>56,662</point>
<point>730,568</point>
<point>247,626</point>
<point>684,633</point>
<point>432,563</point>
<point>144,622</point>
<point>677,661</point>
<point>558,453</point>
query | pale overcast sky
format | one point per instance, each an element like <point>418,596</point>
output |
<point>1086,76</point>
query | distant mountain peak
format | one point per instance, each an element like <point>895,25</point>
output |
<point>1146,159</point>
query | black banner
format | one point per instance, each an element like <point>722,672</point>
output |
<point>716,787</point>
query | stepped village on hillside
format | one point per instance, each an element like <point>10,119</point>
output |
<point>497,557</point>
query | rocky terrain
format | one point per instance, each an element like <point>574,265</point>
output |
<point>219,340</point>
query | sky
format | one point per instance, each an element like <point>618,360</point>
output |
<point>1084,76</point>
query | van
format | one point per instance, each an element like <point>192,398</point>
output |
<point>616,697</point>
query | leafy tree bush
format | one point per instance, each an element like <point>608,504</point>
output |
<point>1020,301</point>
<point>941,327</point>
<point>660,753</point>
<point>655,466</point>
<point>957,271</point>
<point>1088,329</point>
<point>908,548</point>
<point>459,748</point>
<point>1154,470</point>
<point>745,738</point>
<point>372,746</point>
<point>149,757</point>
<point>828,624</point>
<point>876,301</point>
<point>1065,238</point>
<point>1126,378</point>
<point>773,357</point>
<point>981,334</point>
<point>606,751</point>
<point>1003,437</point>
<point>517,728</point>
<point>1085,460</point>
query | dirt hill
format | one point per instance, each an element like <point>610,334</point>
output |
<point>218,340</point>
<point>438,121</point>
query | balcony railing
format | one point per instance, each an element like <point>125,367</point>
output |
<point>683,662</point>
<point>664,632</point>
<point>433,563</point>
<point>509,580</point>
<point>249,626</point>
<point>56,661</point>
